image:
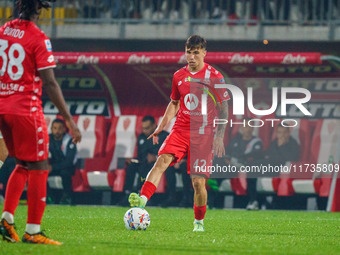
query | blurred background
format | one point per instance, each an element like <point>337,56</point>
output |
<point>176,19</point>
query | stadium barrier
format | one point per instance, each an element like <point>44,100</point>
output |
<point>179,57</point>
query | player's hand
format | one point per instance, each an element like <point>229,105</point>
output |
<point>75,132</point>
<point>154,136</point>
<point>219,147</point>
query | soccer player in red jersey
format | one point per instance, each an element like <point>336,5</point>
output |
<point>192,133</point>
<point>27,63</point>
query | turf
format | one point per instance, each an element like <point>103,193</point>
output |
<point>100,230</point>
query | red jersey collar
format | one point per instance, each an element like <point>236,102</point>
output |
<point>204,67</point>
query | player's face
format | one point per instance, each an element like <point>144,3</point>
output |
<point>58,131</point>
<point>148,127</point>
<point>282,135</point>
<point>195,58</point>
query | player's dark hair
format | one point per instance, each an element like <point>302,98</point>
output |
<point>149,118</point>
<point>196,41</point>
<point>27,8</point>
<point>58,121</point>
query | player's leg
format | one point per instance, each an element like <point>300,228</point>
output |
<point>36,199</point>
<point>14,189</point>
<point>152,180</point>
<point>200,155</point>
<point>29,143</point>
<point>173,149</point>
<point>162,163</point>
<point>200,201</point>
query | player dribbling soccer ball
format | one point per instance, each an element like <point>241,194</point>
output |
<point>192,133</point>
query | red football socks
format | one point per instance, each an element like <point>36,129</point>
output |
<point>36,195</point>
<point>148,189</point>
<point>15,187</point>
<point>200,212</point>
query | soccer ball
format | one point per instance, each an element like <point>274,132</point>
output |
<point>136,219</point>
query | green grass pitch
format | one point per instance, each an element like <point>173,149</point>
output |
<point>100,230</point>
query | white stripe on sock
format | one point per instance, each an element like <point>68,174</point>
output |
<point>8,217</point>
<point>32,228</point>
<point>198,221</point>
<point>145,198</point>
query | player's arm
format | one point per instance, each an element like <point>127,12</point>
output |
<point>54,93</point>
<point>218,142</point>
<point>170,113</point>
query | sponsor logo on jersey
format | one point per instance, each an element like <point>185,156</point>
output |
<point>190,79</point>
<point>179,83</point>
<point>48,45</point>
<point>10,88</point>
<point>191,101</point>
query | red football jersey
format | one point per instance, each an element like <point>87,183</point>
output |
<point>24,50</point>
<point>191,89</point>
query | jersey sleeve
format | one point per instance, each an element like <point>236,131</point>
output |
<point>175,93</point>
<point>222,92</point>
<point>43,54</point>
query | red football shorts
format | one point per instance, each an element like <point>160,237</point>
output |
<point>197,147</point>
<point>26,137</point>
